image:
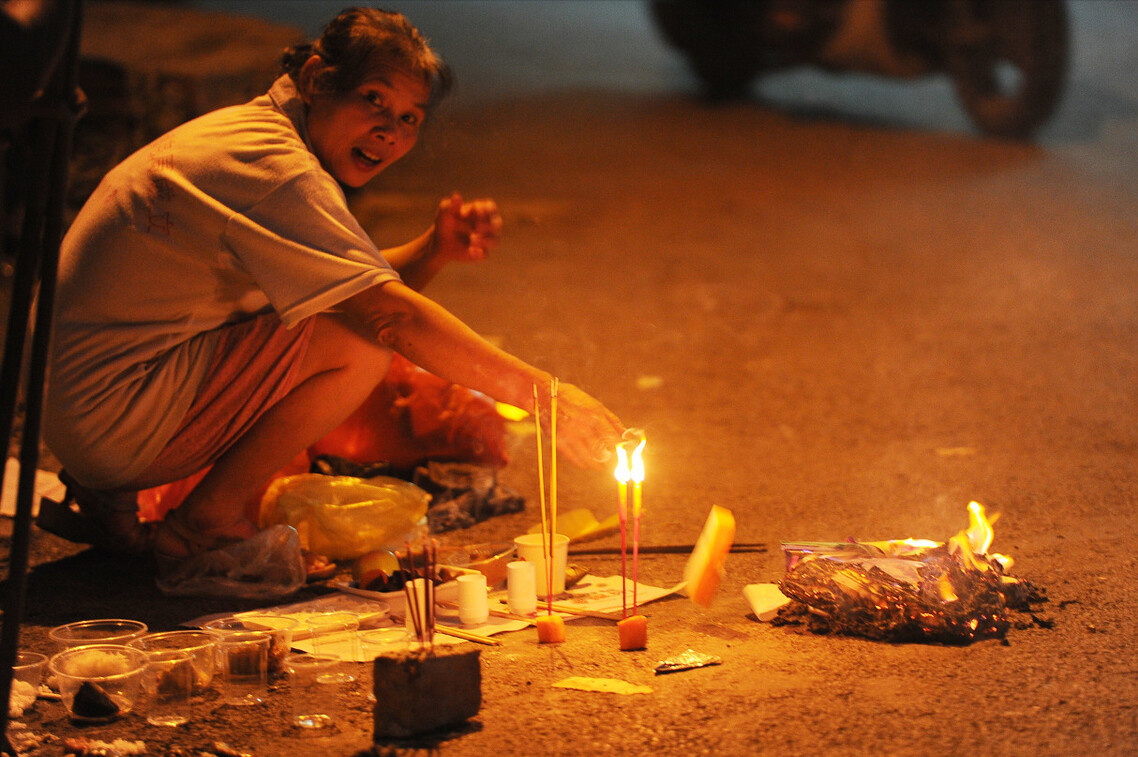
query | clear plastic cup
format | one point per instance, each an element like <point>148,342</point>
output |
<point>101,631</point>
<point>245,666</point>
<point>98,682</point>
<point>27,675</point>
<point>29,668</point>
<point>336,634</point>
<point>382,641</point>
<point>169,683</point>
<point>280,627</point>
<point>311,678</point>
<point>201,645</point>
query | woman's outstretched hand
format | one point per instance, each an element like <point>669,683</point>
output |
<point>466,231</point>
<point>587,431</point>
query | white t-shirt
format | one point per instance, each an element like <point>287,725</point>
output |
<point>224,217</point>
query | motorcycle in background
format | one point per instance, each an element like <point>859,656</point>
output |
<point>1007,59</point>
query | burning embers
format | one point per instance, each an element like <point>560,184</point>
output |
<point>905,590</point>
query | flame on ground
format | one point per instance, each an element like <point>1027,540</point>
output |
<point>903,589</point>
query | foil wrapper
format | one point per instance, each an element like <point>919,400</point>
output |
<point>688,660</point>
<point>895,591</point>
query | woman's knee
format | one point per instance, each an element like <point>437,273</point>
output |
<point>336,346</point>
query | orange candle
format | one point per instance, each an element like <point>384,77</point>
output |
<point>550,629</point>
<point>633,632</point>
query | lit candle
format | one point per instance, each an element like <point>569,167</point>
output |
<point>637,474</point>
<point>622,476</point>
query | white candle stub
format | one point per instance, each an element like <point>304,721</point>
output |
<point>765,600</point>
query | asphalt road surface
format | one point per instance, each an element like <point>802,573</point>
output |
<point>837,311</point>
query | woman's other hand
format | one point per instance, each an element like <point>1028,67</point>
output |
<point>466,231</point>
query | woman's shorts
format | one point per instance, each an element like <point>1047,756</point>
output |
<point>254,366</point>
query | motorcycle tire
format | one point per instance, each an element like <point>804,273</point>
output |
<point>717,41</point>
<point>1008,62</point>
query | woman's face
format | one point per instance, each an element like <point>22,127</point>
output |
<point>357,134</point>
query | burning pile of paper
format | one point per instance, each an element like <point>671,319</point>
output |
<point>905,590</point>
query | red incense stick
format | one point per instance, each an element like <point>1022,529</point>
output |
<point>637,474</point>
<point>622,477</point>
<point>553,387</point>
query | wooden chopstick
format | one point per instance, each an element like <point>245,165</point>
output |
<point>458,633</point>
<point>492,611</point>
<point>570,610</point>
<point>661,549</point>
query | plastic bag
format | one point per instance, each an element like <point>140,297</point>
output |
<point>267,566</point>
<point>343,517</point>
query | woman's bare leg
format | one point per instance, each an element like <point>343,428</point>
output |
<point>338,372</point>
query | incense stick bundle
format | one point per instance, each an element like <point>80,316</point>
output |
<point>421,605</point>
<point>550,627</point>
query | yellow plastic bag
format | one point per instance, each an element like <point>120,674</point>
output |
<point>343,517</point>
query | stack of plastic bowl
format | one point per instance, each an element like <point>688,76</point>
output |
<point>103,631</point>
<point>98,682</point>
<point>98,676</point>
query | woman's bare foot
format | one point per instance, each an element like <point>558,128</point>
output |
<point>179,537</point>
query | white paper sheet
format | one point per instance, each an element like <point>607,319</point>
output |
<point>386,610</point>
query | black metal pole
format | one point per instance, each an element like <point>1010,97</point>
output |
<point>52,130</point>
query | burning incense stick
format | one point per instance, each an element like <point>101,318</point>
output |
<point>622,476</point>
<point>541,497</point>
<point>550,627</point>
<point>552,488</point>
<point>553,386</point>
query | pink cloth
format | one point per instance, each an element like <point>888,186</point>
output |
<point>253,367</point>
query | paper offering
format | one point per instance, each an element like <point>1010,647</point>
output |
<point>603,594</point>
<point>603,685</point>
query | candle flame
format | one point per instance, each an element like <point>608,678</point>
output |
<point>637,471</point>
<point>622,472</point>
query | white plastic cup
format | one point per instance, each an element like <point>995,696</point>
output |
<point>530,548</point>
<point>473,606</point>
<point>521,591</point>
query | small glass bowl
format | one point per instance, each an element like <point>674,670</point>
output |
<point>103,631</point>
<point>29,667</point>
<point>202,646</point>
<point>27,674</point>
<point>98,682</point>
